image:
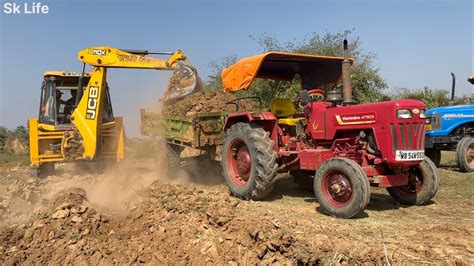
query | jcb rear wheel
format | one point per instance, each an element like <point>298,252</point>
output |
<point>465,154</point>
<point>44,170</point>
<point>422,185</point>
<point>341,188</point>
<point>249,161</point>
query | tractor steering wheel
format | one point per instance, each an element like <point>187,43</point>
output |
<point>317,95</point>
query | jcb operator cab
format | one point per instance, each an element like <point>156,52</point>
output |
<point>59,98</point>
<point>53,136</point>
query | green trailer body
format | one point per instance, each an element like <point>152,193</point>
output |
<point>200,131</point>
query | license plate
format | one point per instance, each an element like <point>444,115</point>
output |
<point>409,155</point>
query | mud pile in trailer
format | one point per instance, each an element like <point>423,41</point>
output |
<point>206,102</point>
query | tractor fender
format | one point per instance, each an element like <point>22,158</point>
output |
<point>235,118</point>
<point>267,120</point>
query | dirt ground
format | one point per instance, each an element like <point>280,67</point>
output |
<point>134,215</point>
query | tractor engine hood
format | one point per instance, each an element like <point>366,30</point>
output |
<point>392,133</point>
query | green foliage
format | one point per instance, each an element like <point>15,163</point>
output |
<point>215,81</point>
<point>8,136</point>
<point>467,99</point>
<point>367,83</point>
<point>11,159</point>
<point>21,132</point>
<point>3,137</point>
<point>431,98</point>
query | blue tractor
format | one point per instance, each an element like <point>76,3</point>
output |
<point>451,128</point>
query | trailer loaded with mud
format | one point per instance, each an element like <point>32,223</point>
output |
<point>337,148</point>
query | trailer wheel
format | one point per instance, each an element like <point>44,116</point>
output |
<point>465,154</point>
<point>304,179</point>
<point>422,187</point>
<point>341,188</point>
<point>434,155</point>
<point>249,161</point>
<point>172,157</point>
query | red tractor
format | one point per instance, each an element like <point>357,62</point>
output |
<point>338,148</point>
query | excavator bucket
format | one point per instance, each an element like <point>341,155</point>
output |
<point>184,81</point>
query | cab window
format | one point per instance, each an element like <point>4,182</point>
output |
<point>48,104</point>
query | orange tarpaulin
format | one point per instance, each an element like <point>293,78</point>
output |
<point>315,71</point>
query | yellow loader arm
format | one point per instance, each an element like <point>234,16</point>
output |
<point>87,116</point>
<point>103,56</point>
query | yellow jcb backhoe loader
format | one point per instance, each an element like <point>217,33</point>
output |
<point>76,122</point>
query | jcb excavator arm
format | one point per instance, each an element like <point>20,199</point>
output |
<point>111,57</point>
<point>87,116</point>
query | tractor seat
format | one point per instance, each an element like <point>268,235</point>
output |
<point>284,110</point>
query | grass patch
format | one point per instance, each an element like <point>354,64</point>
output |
<point>11,159</point>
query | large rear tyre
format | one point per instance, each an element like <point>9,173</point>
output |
<point>304,179</point>
<point>465,154</point>
<point>341,188</point>
<point>249,161</point>
<point>422,185</point>
<point>434,155</point>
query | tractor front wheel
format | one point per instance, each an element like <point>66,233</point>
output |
<point>422,185</point>
<point>465,154</point>
<point>341,188</point>
<point>249,161</point>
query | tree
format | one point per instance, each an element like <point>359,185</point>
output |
<point>21,132</point>
<point>367,83</point>
<point>431,98</point>
<point>465,99</point>
<point>8,137</point>
<point>215,81</point>
<point>3,137</point>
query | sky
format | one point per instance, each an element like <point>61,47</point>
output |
<point>417,43</point>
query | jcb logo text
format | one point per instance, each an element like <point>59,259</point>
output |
<point>92,103</point>
<point>98,52</point>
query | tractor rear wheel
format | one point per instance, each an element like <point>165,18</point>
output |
<point>249,161</point>
<point>304,179</point>
<point>422,185</point>
<point>434,155</point>
<point>341,188</point>
<point>465,154</point>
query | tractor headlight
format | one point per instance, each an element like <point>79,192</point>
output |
<point>422,114</point>
<point>404,114</point>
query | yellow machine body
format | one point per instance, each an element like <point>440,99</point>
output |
<point>83,127</point>
<point>53,141</point>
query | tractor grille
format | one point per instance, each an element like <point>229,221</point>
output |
<point>408,136</point>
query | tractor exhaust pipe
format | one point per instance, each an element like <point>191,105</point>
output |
<point>346,77</point>
<point>453,86</point>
